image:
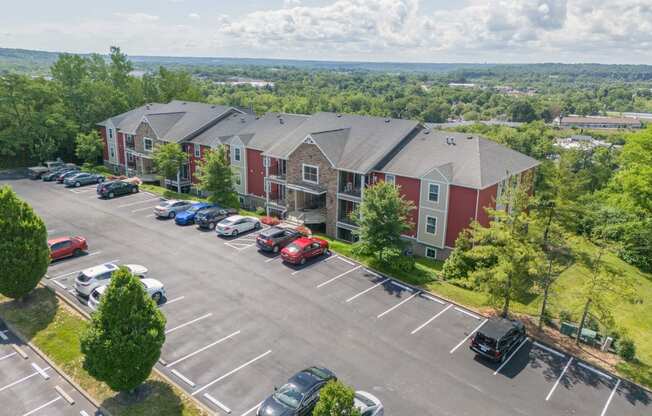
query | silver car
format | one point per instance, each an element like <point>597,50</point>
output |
<point>367,404</point>
<point>169,208</point>
<point>89,279</point>
<point>236,224</point>
<point>153,287</point>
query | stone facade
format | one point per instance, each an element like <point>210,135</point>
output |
<point>309,154</point>
<point>145,130</point>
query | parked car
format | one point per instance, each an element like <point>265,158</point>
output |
<point>89,279</point>
<point>36,172</point>
<point>116,188</point>
<point>367,404</point>
<point>83,178</point>
<point>62,247</point>
<point>236,224</point>
<point>65,174</point>
<point>188,216</point>
<point>54,173</point>
<point>208,218</point>
<point>169,208</point>
<point>299,395</point>
<point>275,238</point>
<point>153,287</point>
<point>497,338</point>
<point>304,248</point>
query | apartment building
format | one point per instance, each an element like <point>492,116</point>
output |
<point>314,169</point>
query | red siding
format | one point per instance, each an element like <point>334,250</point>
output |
<point>255,173</point>
<point>410,189</point>
<point>486,199</point>
<point>461,211</point>
<point>105,152</point>
<point>121,148</point>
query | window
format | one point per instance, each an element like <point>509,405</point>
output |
<point>112,150</point>
<point>390,179</point>
<point>110,133</point>
<point>431,225</point>
<point>431,252</point>
<point>236,154</point>
<point>147,144</point>
<point>236,179</point>
<point>433,192</point>
<point>311,173</point>
<point>198,152</point>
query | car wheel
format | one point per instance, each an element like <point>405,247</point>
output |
<point>77,184</point>
<point>99,180</point>
<point>172,215</point>
<point>111,195</point>
<point>211,225</point>
<point>234,233</point>
<point>157,297</point>
<point>303,261</point>
<point>257,226</point>
<point>134,190</point>
<point>77,252</point>
<point>275,249</point>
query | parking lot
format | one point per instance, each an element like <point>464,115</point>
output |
<point>28,386</point>
<point>241,322</point>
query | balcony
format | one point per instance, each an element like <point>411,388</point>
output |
<point>277,171</point>
<point>346,211</point>
<point>350,184</point>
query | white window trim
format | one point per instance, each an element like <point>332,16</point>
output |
<point>266,162</point>
<point>438,192</point>
<point>237,154</point>
<point>433,249</point>
<point>151,147</point>
<point>428,217</point>
<point>303,173</point>
<point>393,178</point>
<point>197,152</point>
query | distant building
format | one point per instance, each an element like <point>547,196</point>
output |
<point>581,142</point>
<point>597,122</point>
<point>462,84</point>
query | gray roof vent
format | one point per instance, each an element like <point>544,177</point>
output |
<point>426,131</point>
<point>469,137</point>
<point>450,140</point>
<point>339,115</point>
<point>280,120</point>
<point>387,120</point>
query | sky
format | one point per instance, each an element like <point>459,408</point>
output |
<point>495,31</point>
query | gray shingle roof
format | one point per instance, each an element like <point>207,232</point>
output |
<point>351,142</point>
<point>224,129</point>
<point>472,161</point>
<point>269,129</point>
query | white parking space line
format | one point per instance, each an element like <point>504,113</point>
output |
<point>184,378</point>
<point>21,380</point>
<point>150,215</point>
<point>472,315</point>
<point>399,285</point>
<point>439,301</point>
<point>138,202</point>
<point>346,261</point>
<point>510,356</point>
<point>58,283</point>
<point>332,258</point>
<point>83,413</point>
<point>550,350</point>
<point>256,407</point>
<point>133,211</point>
<point>192,354</point>
<point>611,396</point>
<point>81,191</point>
<point>7,356</point>
<point>380,315</point>
<point>65,395</point>
<point>469,336</point>
<point>40,371</point>
<point>31,412</point>
<point>150,194</point>
<point>594,370</point>
<point>554,387</point>
<point>52,231</point>
<point>4,336</point>
<point>366,290</point>
<point>272,259</point>
<point>173,300</point>
<point>308,266</point>
<point>238,246</point>
<point>217,403</point>
<point>188,323</point>
<point>337,277</point>
<point>235,370</point>
<point>423,325</point>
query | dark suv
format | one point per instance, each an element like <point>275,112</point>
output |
<point>115,188</point>
<point>497,338</point>
<point>275,238</point>
<point>209,217</point>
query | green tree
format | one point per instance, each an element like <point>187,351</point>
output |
<point>383,217</point>
<point>216,178</point>
<point>25,253</point>
<point>89,146</point>
<point>522,111</point>
<point>124,339</point>
<point>336,399</point>
<point>168,160</point>
<point>632,185</point>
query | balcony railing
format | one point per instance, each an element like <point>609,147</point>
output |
<point>349,189</point>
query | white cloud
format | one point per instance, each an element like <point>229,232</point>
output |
<point>291,3</point>
<point>137,18</point>
<point>194,16</point>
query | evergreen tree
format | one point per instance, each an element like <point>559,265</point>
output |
<point>125,336</point>
<point>216,178</point>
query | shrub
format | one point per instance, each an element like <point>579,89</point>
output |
<point>397,261</point>
<point>565,316</point>
<point>303,230</point>
<point>627,349</point>
<point>260,211</point>
<point>269,220</point>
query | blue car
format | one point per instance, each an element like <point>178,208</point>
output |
<point>188,216</point>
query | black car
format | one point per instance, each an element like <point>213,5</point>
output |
<point>115,188</point>
<point>275,238</point>
<point>209,217</point>
<point>65,174</point>
<point>299,395</point>
<point>54,174</point>
<point>497,338</point>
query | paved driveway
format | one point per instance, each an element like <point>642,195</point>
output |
<point>241,322</point>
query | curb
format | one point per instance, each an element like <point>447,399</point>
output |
<point>158,372</point>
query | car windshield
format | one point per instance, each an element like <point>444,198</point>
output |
<point>293,248</point>
<point>364,400</point>
<point>195,208</point>
<point>83,278</point>
<point>289,396</point>
<point>227,222</point>
<point>489,342</point>
<point>96,294</point>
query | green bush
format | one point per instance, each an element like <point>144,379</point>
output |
<point>260,211</point>
<point>565,316</point>
<point>627,349</point>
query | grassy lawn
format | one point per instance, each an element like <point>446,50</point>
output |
<point>56,329</point>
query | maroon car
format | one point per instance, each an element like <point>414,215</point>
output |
<point>62,247</point>
<point>304,248</point>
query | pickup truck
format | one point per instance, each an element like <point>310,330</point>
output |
<point>35,172</point>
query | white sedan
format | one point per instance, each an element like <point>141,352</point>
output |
<point>368,404</point>
<point>153,287</point>
<point>236,224</point>
<point>88,279</point>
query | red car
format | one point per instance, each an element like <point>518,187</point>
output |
<point>66,246</point>
<point>304,248</point>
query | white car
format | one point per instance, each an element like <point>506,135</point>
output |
<point>88,279</point>
<point>236,224</point>
<point>367,404</point>
<point>153,287</point>
<point>171,207</point>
